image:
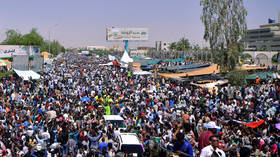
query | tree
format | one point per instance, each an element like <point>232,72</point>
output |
<point>196,48</point>
<point>56,48</point>
<point>237,77</point>
<point>32,38</point>
<point>225,26</point>
<point>262,48</point>
<point>182,45</point>
<point>13,37</point>
<point>172,46</point>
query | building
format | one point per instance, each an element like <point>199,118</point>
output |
<point>97,48</point>
<point>117,48</point>
<point>141,51</point>
<point>162,46</point>
<point>265,38</point>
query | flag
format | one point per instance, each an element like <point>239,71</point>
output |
<point>254,124</point>
<point>251,125</point>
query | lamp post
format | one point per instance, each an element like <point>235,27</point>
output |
<point>50,37</point>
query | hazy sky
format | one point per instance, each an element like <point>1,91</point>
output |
<point>83,22</point>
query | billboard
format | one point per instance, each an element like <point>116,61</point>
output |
<point>120,34</point>
<point>10,50</point>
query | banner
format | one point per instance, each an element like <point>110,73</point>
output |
<point>11,50</point>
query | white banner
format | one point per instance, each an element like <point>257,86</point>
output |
<point>10,50</point>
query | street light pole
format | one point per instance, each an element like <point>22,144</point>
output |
<point>50,37</point>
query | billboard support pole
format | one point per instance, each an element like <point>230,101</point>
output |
<point>126,46</point>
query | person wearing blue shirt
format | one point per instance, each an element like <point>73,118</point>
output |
<point>103,145</point>
<point>182,147</point>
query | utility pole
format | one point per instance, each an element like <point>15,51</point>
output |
<point>50,37</point>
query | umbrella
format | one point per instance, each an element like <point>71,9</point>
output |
<point>85,99</point>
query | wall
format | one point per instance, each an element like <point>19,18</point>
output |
<point>20,62</point>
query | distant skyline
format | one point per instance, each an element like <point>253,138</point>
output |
<point>82,23</point>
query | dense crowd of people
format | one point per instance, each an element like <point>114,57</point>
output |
<point>61,114</point>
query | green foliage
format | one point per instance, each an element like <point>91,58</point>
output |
<point>237,77</point>
<point>5,74</point>
<point>245,56</point>
<point>32,38</point>
<point>56,48</point>
<point>182,45</point>
<point>274,59</point>
<point>262,48</point>
<point>101,53</point>
<point>13,37</point>
<point>225,26</point>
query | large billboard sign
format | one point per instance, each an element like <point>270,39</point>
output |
<point>121,34</point>
<point>11,50</point>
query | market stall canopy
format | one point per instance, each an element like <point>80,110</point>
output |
<point>174,60</point>
<point>2,63</point>
<point>250,67</point>
<point>262,76</point>
<point>26,75</point>
<point>46,55</point>
<point>138,58</point>
<point>212,69</point>
<point>125,58</point>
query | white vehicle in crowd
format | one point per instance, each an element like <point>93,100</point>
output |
<point>115,120</point>
<point>130,145</point>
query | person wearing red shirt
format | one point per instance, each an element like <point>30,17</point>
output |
<point>204,137</point>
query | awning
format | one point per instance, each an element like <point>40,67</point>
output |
<point>141,73</point>
<point>2,63</point>
<point>262,76</point>
<point>27,74</point>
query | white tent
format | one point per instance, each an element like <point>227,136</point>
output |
<point>27,74</point>
<point>142,73</point>
<point>125,58</point>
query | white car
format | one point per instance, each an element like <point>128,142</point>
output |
<point>116,120</point>
<point>129,144</point>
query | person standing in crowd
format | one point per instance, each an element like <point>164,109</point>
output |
<point>182,147</point>
<point>205,136</point>
<point>61,114</point>
<point>212,150</point>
